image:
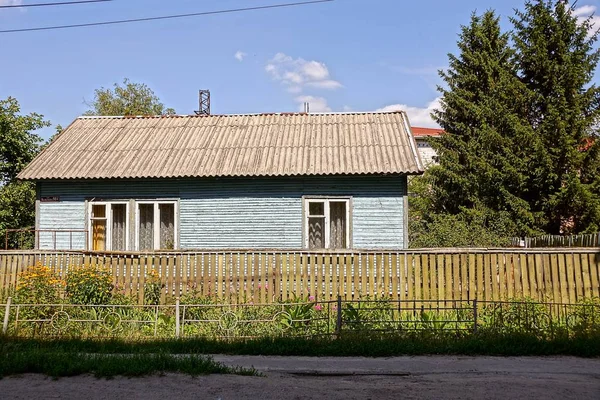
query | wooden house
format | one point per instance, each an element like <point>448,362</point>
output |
<point>285,181</point>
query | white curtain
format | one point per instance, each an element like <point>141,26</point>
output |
<point>146,228</point>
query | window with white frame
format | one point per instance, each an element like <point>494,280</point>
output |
<point>108,226</point>
<point>156,225</point>
<point>327,223</point>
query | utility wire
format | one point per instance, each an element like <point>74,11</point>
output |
<point>61,3</point>
<point>126,21</point>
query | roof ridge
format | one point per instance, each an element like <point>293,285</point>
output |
<point>283,113</point>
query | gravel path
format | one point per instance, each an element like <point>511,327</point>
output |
<point>341,378</point>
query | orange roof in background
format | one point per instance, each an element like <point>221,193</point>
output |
<point>587,144</point>
<point>426,131</point>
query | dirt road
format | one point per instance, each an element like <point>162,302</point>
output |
<point>341,378</point>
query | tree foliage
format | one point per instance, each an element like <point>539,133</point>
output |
<point>127,99</point>
<point>519,156</point>
<point>17,210</point>
<point>19,144</point>
<point>556,61</point>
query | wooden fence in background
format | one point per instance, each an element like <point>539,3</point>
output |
<point>554,275</point>
<point>582,240</point>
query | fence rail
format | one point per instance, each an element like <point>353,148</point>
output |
<point>26,238</point>
<point>557,275</point>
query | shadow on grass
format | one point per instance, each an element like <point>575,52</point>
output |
<point>59,363</point>
<point>351,344</point>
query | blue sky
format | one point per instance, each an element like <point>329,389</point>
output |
<point>359,55</point>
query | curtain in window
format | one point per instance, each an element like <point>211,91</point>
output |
<point>99,227</point>
<point>316,225</point>
<point>337,217</point>
<point>146,227</point>
<point>316,233</point>
<point>167,226</point>
<point>118,227</point>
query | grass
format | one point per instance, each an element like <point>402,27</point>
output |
<point>59,363</point>
<point>346,346</point>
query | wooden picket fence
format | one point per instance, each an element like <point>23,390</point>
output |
<point>582,240</point>
<point>555,275</point>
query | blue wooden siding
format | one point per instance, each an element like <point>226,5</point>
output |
<point>243,212</point>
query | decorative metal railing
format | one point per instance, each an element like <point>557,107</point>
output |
<point>295,319</point>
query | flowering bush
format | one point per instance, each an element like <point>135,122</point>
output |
<point>38,285</point>
<point>152,288</point>
<point>89,285</point>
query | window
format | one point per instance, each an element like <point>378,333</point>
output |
<point>156,225</point>
<point>327,223</point>
<point>108,226</point>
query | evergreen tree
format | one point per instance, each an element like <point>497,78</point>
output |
<point>556,61</point>
<point>484,156</point>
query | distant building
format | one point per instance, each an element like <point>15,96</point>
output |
<point>422,136</point>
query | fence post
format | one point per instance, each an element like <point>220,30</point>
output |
<point>177,318</point>
<point>6,315</point>
<point>475,316</point>
<point>338,323</point>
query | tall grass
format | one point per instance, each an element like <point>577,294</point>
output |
<point>351,344</point>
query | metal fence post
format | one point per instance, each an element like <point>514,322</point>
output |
<point>177,318</point>
<point>475,316</point>
<point>338,324</point>
<point>6,316</point>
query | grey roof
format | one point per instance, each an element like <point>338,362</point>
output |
<point>229,145</point>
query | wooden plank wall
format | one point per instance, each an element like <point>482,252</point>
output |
<point>552,275</point>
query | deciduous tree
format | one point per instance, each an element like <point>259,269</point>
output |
<point>18,145</point>
<point>127,99</point>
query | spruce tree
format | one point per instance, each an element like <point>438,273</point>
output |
<point>556,61</point>
<point>483,156</point>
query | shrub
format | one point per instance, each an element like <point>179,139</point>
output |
<point>89,285</point>
<point>152,288</point>
<point>38,285</point>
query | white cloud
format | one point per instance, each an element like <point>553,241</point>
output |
<point>316,104</point>
<point>416,115</point>
<point>584,13</point>
<point>326,84</point>
<point>13,3</point>
<point>315,70</point>
<point>298,73</point>
<point>240,55</point>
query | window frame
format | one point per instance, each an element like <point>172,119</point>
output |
<point>306,200</point>
<point>156,223</point>
<point>109,223</point>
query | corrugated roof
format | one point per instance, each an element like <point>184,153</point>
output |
<point>229,145</point>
